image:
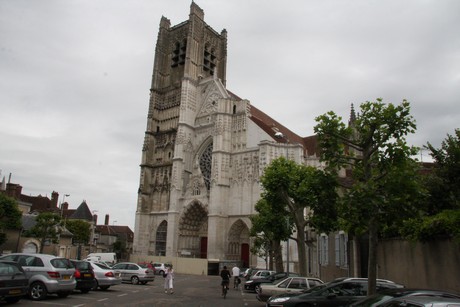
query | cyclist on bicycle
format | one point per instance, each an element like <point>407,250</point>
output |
<point>225,275</point>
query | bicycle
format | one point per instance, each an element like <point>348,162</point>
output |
<point>236,283</point>
<point>224,288</point>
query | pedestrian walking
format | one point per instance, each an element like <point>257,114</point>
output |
<point>169,277</point>
<point>236,277</point>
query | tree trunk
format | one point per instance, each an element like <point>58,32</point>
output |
<point>302,250</point>
<point>278,256</point>
<point>372,264</point>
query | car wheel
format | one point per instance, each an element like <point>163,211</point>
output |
<point>96,285</point>
<point>12,300</point>
<point>161,272</point>
<point>63,294</point>
<point>104,287</point>
<point>135,280</point>
<point>37,291</point>
<point>257,288</point>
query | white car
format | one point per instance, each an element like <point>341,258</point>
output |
<point>134,273</point>
<point>159,268</point>
<point>105,276</point>
<point>287,285</point>
<point>261,274</point>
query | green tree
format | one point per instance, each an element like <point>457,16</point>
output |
<point>119,247</point>
<point>10,216</point>
<point>444,182</point>
<point>80,229</point>
<point>385,187</point>
<point>441,214</point>
<point>269,229</point>
<point>47,228</point>
<point>302,194</point>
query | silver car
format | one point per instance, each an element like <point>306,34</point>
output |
<point>105,276</point>
<point>47,274</point>
<point>134,273</point>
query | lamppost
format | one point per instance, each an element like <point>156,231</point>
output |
<point>280,135</point>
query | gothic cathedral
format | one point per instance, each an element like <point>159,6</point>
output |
<point>204,150</point>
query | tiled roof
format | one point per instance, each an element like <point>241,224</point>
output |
<point>271,127</point>
<point>82,213</point>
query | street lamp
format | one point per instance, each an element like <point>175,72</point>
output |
<point>93,234</point>
<point>280,135</point>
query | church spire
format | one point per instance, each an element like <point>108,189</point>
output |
<point>352,119</point>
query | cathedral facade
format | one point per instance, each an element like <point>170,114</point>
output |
<point>204,151</point>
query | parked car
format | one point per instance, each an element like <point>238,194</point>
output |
<point>247,273</point>
<point>339,292</point>
<point>261,274</point>
<point>14,283</point>
<point>147,265</point>
<point>253,285</point>
<point>159,268</point>
<point>105,276</point>
<point>134,273</point>
<point>287,285</point>
<point>423,301</point>
<point>47,274</point>
<point>84,275</point>
<point>379,299</point>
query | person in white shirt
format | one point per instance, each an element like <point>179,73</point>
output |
<point>236,277</point>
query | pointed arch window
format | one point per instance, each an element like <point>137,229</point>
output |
<point>160,239</point>
<point>205,165</point>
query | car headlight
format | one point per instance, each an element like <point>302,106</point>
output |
<point>249,282</point>
<point>279,299</point>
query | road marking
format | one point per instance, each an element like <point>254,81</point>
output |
<point>103,299</point>
<point>124,294</point>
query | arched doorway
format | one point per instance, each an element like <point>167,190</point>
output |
<point>238,243</point>
<point>193,231</point>
<point>160,239</point>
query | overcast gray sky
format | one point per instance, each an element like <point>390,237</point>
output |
<point>75,78</point>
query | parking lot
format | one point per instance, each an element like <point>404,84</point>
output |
<point>190,290</point>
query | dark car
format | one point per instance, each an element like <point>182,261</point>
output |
<point>84,275</point>
<point>253,285</point>
<point>392,294</point>
<point>14,283</point>
<point>339,292</point>
<point>423,301</point>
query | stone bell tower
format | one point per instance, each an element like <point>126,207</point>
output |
<point>185,54</point>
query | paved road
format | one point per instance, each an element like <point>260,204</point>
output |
<point>190,290</point>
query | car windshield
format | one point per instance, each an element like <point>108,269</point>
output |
<point>82,265</point>
<point>102,266</point>
<point>61,263</point>
<point>316,289</point>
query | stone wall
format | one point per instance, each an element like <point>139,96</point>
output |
<point>434,265</point>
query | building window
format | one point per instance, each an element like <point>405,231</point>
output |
<point>205,165</point>
<point>341,242</point>
<point>209,59</point>
<point>160,240</point>
<point>323,249</point>
<point>178,55</point>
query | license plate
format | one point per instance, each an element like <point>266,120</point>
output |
<point>86,275</point>
<point>66,277</point>
<point>15,291</point>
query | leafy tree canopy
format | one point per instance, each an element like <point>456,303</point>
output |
<point>47,227</point>
<point>80,229</point>
<point>10,216</point>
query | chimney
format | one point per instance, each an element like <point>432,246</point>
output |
<point>54,199</point>
<point>65,206</point>
<point>95,219</point>
<point>106,220</point>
